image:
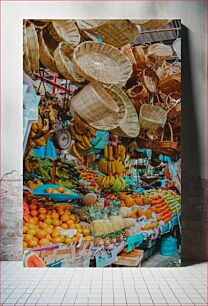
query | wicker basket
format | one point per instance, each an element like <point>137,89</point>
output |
<point>26,61</point>
<point>93,103</point>
<point>170,84</point>
<point>139,56</point>
<point>63,58</point>
<point>159,52</point>
<point>138,95</point>
<point>46,54</point>
<point>130,126</point>
<point>103,63</point>
<point>151,23</point>
<point>150,79</point>
<point>65,30</point>
<point>117,32</point>
<point>151,117</point>
<point>33,47</point>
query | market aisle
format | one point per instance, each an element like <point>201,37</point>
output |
<point>83,286</point>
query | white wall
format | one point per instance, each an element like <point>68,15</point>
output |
<point>192,14</point>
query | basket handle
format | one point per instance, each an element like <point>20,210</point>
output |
<point>171,133</point>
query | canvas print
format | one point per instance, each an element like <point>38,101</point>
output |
<point>102,143</point>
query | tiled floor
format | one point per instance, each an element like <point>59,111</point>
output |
<point>82,286</point>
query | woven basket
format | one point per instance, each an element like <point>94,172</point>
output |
<point>166,144</point>
<point>152,117</point>
<point>118,32</point>
<point>170,84</point>
<point>46,55</point>
<point>63,58</point>
<point>150,79</point>
<point>159,51</point>
<point>152,23</point>
<point>64,30</point>
<point>33,47</point>
<point>139,55</point>
<point>26,61</point>
<point>138,95</point>
<point>93,103</point>
<point>128,51</point>
<point>130,126</point>
<point>103,63</point>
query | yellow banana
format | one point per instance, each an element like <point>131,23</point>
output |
<point>40,142</point>
<point>75,152</point>
<point>110,153</point>
<point>109,167</point>
<point>92,132</point>
<point>113,167</point>
<point>87,142</point>
<point>107,181</point>
<point>80,146</point>
<point>119,150</point>
<point>34,128</point>
<point>27,166</point>
<point>106,152</point>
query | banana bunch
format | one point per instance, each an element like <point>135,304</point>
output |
<point>31,164</point>
<point>111,166</point>
<point>45,169</point>
<point>38,130</point>
<point>65,183</point>
<point>81,142</point>
<point>62,174</point>
<point>119,153</point>
<point>106,181</point>
<point>33,184</point>
<point>118,186</point>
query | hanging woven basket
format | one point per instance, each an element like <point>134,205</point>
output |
<point>63,58</point>
<point>33,47</point>
<point>170,84</point>
<point>103,63</point>
<point>151,23</point>
<point>159,51</point>
<point>46,53</point>
<point>65,30</point>
<point>117,32</point>
<point>150,79</point>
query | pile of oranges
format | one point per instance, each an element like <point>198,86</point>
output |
<point>42,225</point>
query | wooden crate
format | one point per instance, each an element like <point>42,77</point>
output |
<point>132,259</point>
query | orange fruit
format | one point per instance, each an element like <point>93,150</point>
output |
<point>55,233</point>
<point>75,239</point>
<point>68,240</point>
<point>56,222</point>
<point>48,237</point>
<point>33,243</point>
<point>42,210</point>
<point>25,229</point>
<point>31,220</point>
<point>60,189</point>
<point>87,238</point>
<point>27,237</point>
<point>67,192</point>
<point>72,217</point>
<point>69,222</point>
<point>43,226</point>
<point>34,213</point>
<point>64,226</point>
<point>64,218</point>
<point>44,241</point>
<point>57,239</point>
<point>31,232</point>
<point>48,230</point>
<point>60,207</point>
<point>86,232</point>
<point>71,226</point>
<point>54,215</point>
<point>32,206</point>
<point>77,226</point>
<point>41,217</point>
<point>51,226</point>
<point>25,246</point>
<point>40,234</point>
<point>77,235</point>
<point>61,212</point>
<point>35,219</point>
<point>31,225</point>
<point>48,216</point>
<point>62,238</point>
<point>48,221</point>
<point>60,222</point>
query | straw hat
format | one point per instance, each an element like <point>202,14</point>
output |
<point>117,32</point>
<point>63,58</point>
<point>65,30</point>
<point>102,62</point>
<point>33,47</point>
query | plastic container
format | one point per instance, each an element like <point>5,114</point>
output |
<point>168,246</point>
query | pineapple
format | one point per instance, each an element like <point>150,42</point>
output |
<point>89,199</point>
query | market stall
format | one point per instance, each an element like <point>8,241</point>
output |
<point>102,145</point>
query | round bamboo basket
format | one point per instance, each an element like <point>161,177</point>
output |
<point>151,23</point>
<point>26,61</point>
<point>117,32</point>
<point>151,117</point>
<point>103,63</point>
<point>93,103</point>
<point>159,51</point>
<point>63,58</point>
<point>33,47</point>
<point>65,30</point>
<point>46,54</point>
<point>129,128</point>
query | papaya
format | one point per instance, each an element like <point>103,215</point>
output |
<point>32,260</point>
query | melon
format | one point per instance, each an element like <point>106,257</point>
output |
<point>32,260</point>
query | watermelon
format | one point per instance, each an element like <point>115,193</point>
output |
<point>32,260</point>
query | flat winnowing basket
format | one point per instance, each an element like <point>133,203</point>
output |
<point>151,23</point>
<point>93,103</point>
<point>103,63</point>
<point>63,58</point>
<point>117,32</point>
<point>65,30</point>
<point>151,117</point>
<point>130,126</point>
<point>46,56</point>
<point>159,51</point>
<point>33,47</point>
